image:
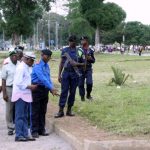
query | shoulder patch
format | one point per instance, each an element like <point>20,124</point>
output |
<point>6,61</point>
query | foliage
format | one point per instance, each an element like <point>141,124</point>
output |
<point>104,15</point>
<point>119,77</point>
<point>20,15</point>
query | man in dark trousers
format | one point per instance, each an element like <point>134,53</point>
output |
<point>68,77</point>
<point>41,77</point>
<point>87,70</point>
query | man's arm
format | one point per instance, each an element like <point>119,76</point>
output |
<point>5,96</point>
<point>60,70</point>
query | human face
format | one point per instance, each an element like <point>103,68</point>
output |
<point>30,62</point>
<point>72,44</point>
<point>84,42</point>
<point>13,58</point>
<point>46,58</point>
<point>19,55</point>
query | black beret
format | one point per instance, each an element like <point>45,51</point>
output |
<point>72,38</point>
<point>84,38</point>
<point>47,52</point>
<point>19,48</point>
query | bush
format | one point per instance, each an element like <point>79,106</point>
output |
<point>119,77</point>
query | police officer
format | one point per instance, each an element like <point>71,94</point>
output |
<point>41,77</point>
<point>8,71</point>
<point>86,71</point>
<point>68,77</point>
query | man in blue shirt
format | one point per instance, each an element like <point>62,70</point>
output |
<point>41,77</point>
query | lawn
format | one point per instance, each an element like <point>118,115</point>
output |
<point>124,111</point>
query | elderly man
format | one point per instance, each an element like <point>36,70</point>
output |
<point>8,71</point>
<point>22,97</point>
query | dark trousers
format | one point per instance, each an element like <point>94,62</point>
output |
<point>87,75</point>
<point>21,118</point>
<point>39,109</point>
<point>69,84</point>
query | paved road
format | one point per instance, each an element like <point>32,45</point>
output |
<point>52,142</point>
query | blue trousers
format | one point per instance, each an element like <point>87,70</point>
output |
<point>69,84</point>
<point>21,118</point>
<point>87,75</point>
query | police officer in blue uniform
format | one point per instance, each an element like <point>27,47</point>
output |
<point>87,70</point>
<point>68,77</point>
<point>41,77</point>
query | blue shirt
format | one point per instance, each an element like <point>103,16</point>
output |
<point>41,75</point>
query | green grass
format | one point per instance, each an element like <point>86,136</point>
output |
<point>124,111</point>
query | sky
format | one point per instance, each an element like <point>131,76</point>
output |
<point>136,10</point>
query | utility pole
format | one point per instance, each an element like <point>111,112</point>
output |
<point>56,34</point>
<point>49,39</point>
<point>37,35</point>
<point>34,39</point>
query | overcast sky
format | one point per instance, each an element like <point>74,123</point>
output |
<point>137,10</point>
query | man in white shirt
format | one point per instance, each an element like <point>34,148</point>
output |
<point>22,97</point>
<point>8,71</point>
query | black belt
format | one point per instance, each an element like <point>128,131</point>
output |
<point>10,86</point>
<point>69,69</point>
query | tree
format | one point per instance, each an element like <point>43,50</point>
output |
<point>101,16</point>
<point>78,25</point>
<point>20,16</point>
<point>137,34</point>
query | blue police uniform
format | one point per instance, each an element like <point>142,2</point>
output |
<point>41,77</point>
<point>70,78</point>
<point>86,74</point>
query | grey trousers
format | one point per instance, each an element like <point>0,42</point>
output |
<point>9,110</point>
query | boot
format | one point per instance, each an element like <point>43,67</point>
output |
<point>60,113</point>
<point>82,98</point>
<point>69,112</point>
<point>89,97</point>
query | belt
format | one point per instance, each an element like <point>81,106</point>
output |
<point>10,86</point>
<point>69,69</point>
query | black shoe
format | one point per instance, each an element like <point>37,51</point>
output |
<point>89,97</point>
<point>21,139</point>
<point>82,98</point>
<point>10,133</point>
<point>35,135</point>
<point>60,114</point>
<point>30,139</point>
<point>69,112</point>
<point>44,133</point>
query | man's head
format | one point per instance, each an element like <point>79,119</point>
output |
<point>72,41</point>
<point>46,55</point>
<point>84,40</point>
<point>19,50</point>
<point>29,58</point>
<point>13,56</point>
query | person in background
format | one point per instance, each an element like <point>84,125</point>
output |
<point>22,96</point>
<point>8,71</point>
<point>19,50</point>
<point>41,77</point>
<point>87,70</point>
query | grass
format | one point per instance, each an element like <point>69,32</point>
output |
<point>124,111</point>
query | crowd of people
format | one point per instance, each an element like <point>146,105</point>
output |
<point>26,85</point>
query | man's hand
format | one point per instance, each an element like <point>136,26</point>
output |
<point>55,92</point>
<point>32,87</point>
<point>59,78</point>
<point>5,97</point>
<point>89,58</point>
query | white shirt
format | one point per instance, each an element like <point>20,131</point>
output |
<point>8,71</point>
<point>22,79</point>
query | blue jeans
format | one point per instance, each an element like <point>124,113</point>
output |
<point>21,118</point>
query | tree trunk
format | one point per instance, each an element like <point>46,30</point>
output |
<point>15,39</point>
<point>97,39</point>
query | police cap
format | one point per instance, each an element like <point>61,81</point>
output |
<point>47,52</point>
<point>72,38</point>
